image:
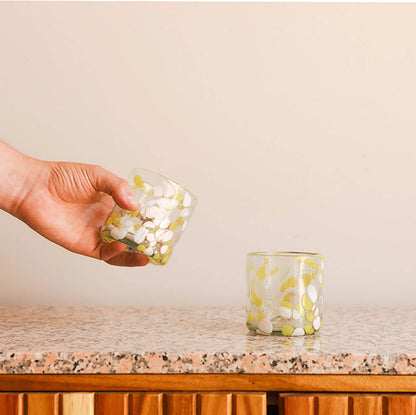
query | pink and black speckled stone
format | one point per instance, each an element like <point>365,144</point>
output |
<point>200,340</point>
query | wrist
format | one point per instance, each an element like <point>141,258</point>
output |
<point>19,175</point>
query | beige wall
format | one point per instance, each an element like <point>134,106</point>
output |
<point>294,124</point>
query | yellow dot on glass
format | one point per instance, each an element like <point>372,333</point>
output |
<point>288,297</point>
<point>310,316</point>
<point>164,260</point>
<point>308,328</point>
<point>178,222</point>
<point>306,278</point>
<point>138,181</point>
<point>309,262</point>
<point>307,303</point>
<point>178,196</point>
<point>300,309</point>
<point>111,218</point>
<point>286,304</point>
<point>261,273</point>
<point>287,330</point>
<point>257,301</point>
<point>254,298</point>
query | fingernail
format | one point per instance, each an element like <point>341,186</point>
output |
<point>131,199</point>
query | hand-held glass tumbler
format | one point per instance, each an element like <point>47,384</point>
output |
<point>154,229</point>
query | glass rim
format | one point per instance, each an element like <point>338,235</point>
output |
<point>284,253</point>
<point>134,169</point>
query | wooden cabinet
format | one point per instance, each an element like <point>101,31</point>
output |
<point>216,394</point>
<point>204,403</point>
<point>147,403</point>
<point>347,404</point>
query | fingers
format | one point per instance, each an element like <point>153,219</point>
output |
<point>107,251</point>
<point>126,259</point>
<point>116,187</point>
<point>114,254</point>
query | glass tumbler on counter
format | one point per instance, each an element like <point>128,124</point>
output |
<point>284,292</point>
<point>154,229</point>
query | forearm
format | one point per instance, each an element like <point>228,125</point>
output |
<point>18,176</point>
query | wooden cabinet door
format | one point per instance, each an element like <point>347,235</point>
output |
<point>401,404</point>
<point>346,404</point>
<point>146,403</point>
<point>42,403</point>
<point>249,403</point>
<point>77,403</point>
<point>11,403</point>
<point>111,404</point>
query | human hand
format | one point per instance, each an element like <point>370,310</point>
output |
<point>67,203</point>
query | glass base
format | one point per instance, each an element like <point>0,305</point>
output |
<point>132,247</point>
<point>286,330</point>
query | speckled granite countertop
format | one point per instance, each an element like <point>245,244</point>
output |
<point>200,340</point>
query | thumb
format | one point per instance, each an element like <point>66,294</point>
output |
<point>116,187</point>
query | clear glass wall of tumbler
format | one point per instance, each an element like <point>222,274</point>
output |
<point>284,292</point>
